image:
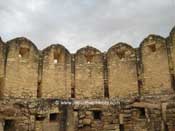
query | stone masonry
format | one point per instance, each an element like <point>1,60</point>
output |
<point>123,89</point>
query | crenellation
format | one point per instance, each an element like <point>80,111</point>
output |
<point>135,63</point>
<point>123,89</point>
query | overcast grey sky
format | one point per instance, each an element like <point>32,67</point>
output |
<point>77,23</point>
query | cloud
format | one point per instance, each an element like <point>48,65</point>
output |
<point>78,23</point>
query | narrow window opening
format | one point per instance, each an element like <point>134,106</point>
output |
<point>142,114</point>
<point>106,92</point>
<point>72,92</point>
<point>97,115</point>
<point>39,89</point>
<point>39,118</point>
<point>56,56</point>
<point>152,47</point>
<point>140,84</point>
<point>54,117</point>
<point>55,61</point>
<point>9,125</point>
<point>166,127</point>
<point>24,52</point>
<point>121,127</point>
<point>76,110</point>
<point>89,57</point>
<point>19,55</point>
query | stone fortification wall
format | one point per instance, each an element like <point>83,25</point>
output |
<point>121,72</point>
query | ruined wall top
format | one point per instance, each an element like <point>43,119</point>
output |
<point>120,45</point>
<point>121,71</point>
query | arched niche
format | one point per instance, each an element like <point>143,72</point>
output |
<point>88,55</point>
<point>56,54</point>
<point>21,74</point>
<point>56,65</point>
<point>89,73</point>
<point>22,49</point>
<point>122,73</point>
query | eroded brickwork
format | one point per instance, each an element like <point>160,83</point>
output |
<point>123,89</point>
